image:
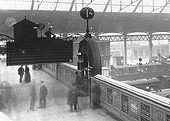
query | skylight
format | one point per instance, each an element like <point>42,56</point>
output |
<point>141,6</point>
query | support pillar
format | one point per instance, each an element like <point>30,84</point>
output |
<point>65,34</point>
<point>125,48</point>
<point>97,35</point>
<point>32,5</point>
<point>150,47</point>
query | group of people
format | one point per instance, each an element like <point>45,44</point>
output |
<point>8,97</point>
<point>22,71</point>
<point>42,97</point>
<point>76,96</point>
<point>79,100</point>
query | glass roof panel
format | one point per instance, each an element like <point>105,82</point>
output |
<point>97,7</point>
<point>167,10</point>
<point>148,6</point>
<point>15,4</point>
<point>63,6</point>
<point>129,7</point>
<point>46,5</point>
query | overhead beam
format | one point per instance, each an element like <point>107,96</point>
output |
<point>56,5</point>
<point>128,5</point>
<point>66,23</point>
<point>72,4</point>
<point>156,18</point>
<point>107,4</point>
<point>32,5</point>
<point>137,6</point>
<point>102,16</point>
<point>39,4</point>
<point>163,7</point>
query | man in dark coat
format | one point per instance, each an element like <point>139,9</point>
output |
<point>78,79</point>
<point>21,73</point>
<point>7,96</point>
<point>1,96</point>
<point>72,98</point>
<point>33,95</point>
<point>27,74</point>
<point>96,95</point>
<point>43,94</point>
<point>49,33</point>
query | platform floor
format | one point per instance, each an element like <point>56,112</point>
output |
<point>57,108</point>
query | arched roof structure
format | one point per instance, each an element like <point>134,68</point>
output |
<point>111,16</point>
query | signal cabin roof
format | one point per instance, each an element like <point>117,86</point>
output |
<point>25,22</point>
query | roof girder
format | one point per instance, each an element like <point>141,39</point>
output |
<point>107,4</point>
<point>56,3</point>
<point>72,4</point>
<point>137,6</point>
<point>32,5</point>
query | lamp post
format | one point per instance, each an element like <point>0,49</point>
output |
<point>87,14</point>
<point>140,68</point>
<point>140,64</point>
<point>80,60</point>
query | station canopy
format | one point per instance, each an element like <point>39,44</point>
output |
<point>111,16</point>
<point>144,6</point>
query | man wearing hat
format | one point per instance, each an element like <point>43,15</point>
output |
<point>78,79</point>
<point>43,94</point>
<point>33,95</point>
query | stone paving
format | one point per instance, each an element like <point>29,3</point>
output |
<point>57,108</point>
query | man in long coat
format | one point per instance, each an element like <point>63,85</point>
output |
<point>33,95</point>
<point>43,94</point>
<point>72,98</point>
<point>27,74</point>
<point>21,73</point>
<point>96,95</point>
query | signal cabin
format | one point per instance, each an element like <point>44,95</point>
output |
<point>25,30</point>
<point>28,49</point>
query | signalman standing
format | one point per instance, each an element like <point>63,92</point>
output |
<point>49,33</point>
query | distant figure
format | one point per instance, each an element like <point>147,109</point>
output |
<point>7,96</point>
<point>49,33</point>
<point>43,94</point>
<point>33,95</point>
<point>96,95</point>
<point>27,74</point>
<point>72,98</point>
<point>1,96</point>
<point>78,79</point>
<point>83,95</point>
<point>21,73</point>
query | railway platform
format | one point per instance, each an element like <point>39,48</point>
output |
<point>57,108</point>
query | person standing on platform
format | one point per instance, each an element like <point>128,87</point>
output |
<point>72,98</point>
<point>27,74</point>
<point>21,73</point>
<point>43,94</point>
<point>33,95</point>
<point>1,96</point>
<point>96,95</point>
<point>78,79</point>
<point>7,96</point>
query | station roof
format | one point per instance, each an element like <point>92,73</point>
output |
<point>111,16</point>
<point>139,6</point>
